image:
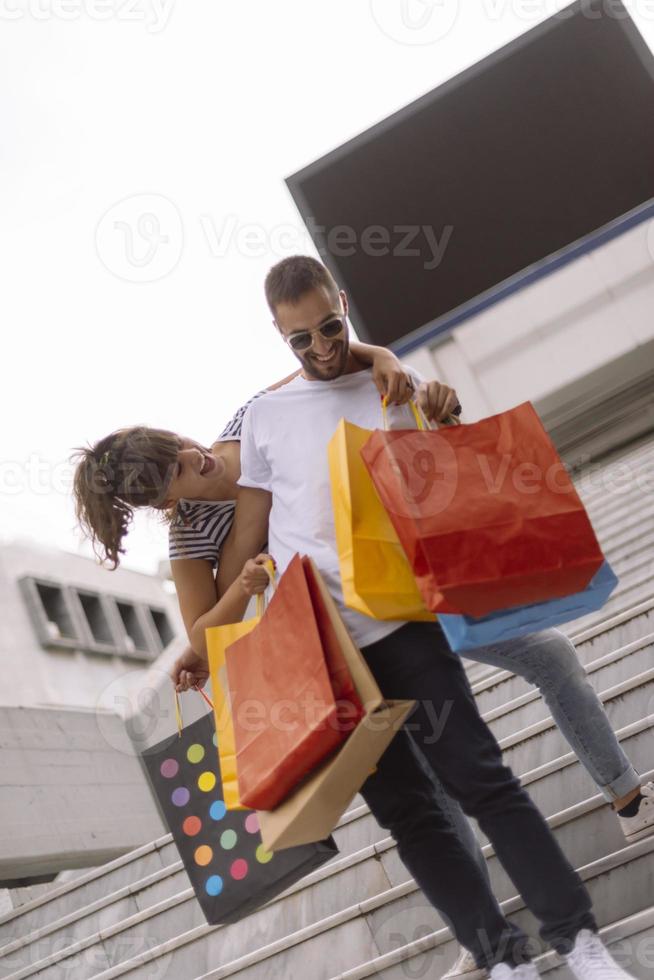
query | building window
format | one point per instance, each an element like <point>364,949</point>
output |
<point>162,625</point>
<point>77,619</point>
<point>58,617</point>
<point>135,636</point>
<point>96,617</point>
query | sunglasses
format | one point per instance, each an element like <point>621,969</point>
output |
<point>302,341</point>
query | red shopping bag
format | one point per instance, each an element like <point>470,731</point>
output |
<point>293,700</point>
<point>486,513</point>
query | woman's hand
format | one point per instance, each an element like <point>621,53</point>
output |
<point>188,670</point>
<point>391,378</point>
<point>254,578</point>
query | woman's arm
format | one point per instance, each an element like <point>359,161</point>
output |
<point>284,381</point>
<point>247,536</point>
<point>201,608</point>
<point>387,372</point>
<point>199,601</point>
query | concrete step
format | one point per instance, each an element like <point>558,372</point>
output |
<point>161,920</point>
<point>630,941</point>
<point>610,880</point>
<point>336,946</point>
<point>154,872</point>
<point>637,542</point>
<point>630,512</point>
<point>612,496</point>
<point>606,489</point>
<point>630,592</point>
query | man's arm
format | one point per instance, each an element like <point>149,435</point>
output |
<point>248,535</point>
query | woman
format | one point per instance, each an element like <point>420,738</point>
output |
<point>195,489</point>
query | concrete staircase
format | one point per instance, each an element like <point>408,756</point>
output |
<point>362,915</point>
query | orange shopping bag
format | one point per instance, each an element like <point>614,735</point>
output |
<point>486,513</point>
<point>293,701</point>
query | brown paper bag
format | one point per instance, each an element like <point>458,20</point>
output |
<point>314,808</point>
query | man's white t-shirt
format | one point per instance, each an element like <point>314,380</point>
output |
<point>284,450</point>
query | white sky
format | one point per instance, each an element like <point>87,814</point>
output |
<point>192,112</point>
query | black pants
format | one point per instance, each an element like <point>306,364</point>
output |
<point>416,662</point>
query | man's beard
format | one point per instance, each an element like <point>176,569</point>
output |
<point>326,370</point>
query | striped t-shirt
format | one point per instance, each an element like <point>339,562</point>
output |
<point>199,527</point>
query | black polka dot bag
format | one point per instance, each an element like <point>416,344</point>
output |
<point>231,872</point>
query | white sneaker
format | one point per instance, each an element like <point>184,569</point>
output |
<point>589,959</point>
<point>464,966</point>
<point>526,971</point>
<point>642,825</point>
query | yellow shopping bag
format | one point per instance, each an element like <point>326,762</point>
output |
<point>218,639</point>
<point>376,577</point>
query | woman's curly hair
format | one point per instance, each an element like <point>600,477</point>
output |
<point>127,469</point>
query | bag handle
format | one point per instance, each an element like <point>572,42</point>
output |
<point>261,605</point>
<point>261,596</point>
<point>422,422</point>
<point>178,707</point>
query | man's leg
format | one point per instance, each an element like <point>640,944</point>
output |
<point>416,662</point>
<point>548,660</point>
<point>401,796</point>
<point>462,826</point>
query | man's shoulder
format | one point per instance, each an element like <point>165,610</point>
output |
<point>262,411</point>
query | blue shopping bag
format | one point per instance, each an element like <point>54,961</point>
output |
<point>468,632</point>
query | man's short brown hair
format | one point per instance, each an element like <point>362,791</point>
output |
<point>295,276</point>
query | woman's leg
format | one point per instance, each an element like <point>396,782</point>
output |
<point>548,660</point>
<point>416,662</point>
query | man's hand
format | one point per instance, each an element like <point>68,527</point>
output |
<point>436,400</point>
<point>188,670</point>
<point>390,377</point>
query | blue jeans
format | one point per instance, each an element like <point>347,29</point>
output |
<point>549,661</point>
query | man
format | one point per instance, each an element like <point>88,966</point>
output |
<point>286,497</point>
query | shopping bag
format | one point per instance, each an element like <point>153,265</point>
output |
<point>486,513</point>
<point>349,709</point>
<point>286,719</point>
<point>231,871</point>
<point>467,632</point>
<point>218,638</point>
<point>375,574</point>
<point>314,807</point>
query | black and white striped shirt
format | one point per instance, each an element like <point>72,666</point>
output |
<point>200,527</point>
